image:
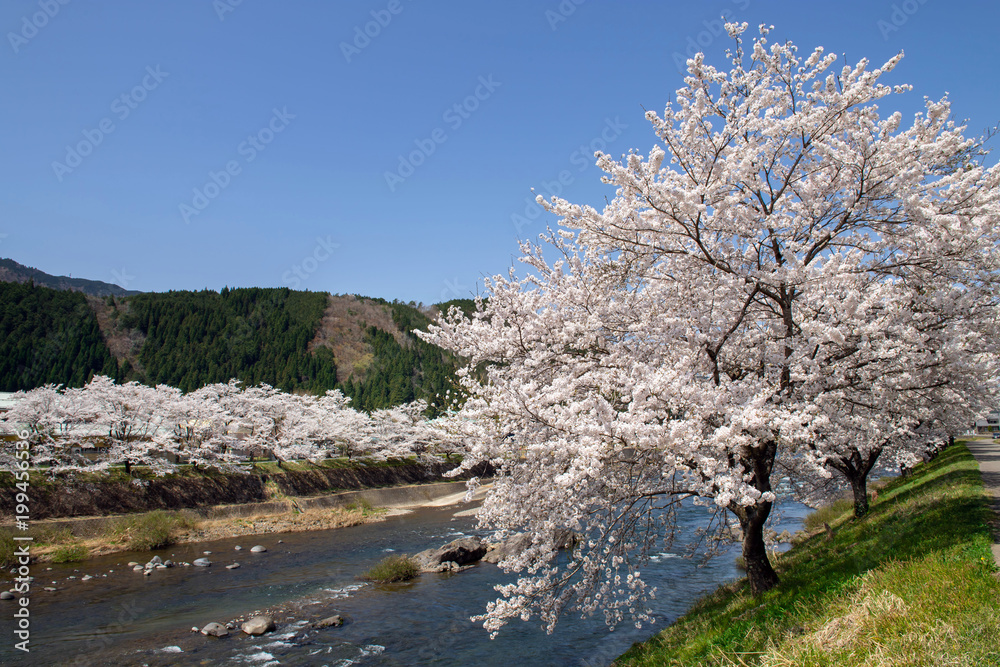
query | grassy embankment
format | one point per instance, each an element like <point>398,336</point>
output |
<point>913,583</point>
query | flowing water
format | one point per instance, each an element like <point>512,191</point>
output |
<point>123,618</point>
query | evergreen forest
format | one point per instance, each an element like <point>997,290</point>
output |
<point>187,339</point>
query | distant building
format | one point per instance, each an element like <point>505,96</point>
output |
<point>990,424</point>
<point>7,400</point>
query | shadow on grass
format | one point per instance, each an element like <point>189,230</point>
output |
<point>938,511</point>
<point>935,500</point>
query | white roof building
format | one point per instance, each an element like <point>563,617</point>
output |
<point>989,424</point>
<point>7,400</point>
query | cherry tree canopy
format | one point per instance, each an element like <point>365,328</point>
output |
<point>215,426</point>
<point>786,274</point>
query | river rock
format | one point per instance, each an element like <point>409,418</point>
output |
<point>462,551</point>
<point>168,563</point>
<point>201,562</point>
<point>49,588</point>
<point>509,547</point>
<point>86,577</point>
<point>215,630</point>
<point>132,563</point>
<point>565,538</point>
<point>258,625</point>
<point>562,538</point>
<point>258,549</point>
<point>156,560</point>
<point>6,595</point>
<point>330,622</point>
<point>138,568</point>
<point>451,566</point>
<point>234,566</point>
<point>238,548</point>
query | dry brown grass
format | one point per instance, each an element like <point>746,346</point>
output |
<point>117,536</point>
<point>342,329</point>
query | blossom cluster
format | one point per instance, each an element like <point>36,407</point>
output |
<point>218,426</point>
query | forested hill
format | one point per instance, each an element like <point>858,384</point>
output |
<point>49,336</point>
<point>298,341</point>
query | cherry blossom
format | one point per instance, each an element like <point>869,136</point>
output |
<point>786,278</point>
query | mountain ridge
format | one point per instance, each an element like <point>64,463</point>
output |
<point>12,271</point>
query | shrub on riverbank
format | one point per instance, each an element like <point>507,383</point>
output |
<point>153,530</point>
<point>911,583</point>
<point>393,568</point>
<point>70,553</point>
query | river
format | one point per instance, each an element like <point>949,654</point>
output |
<point>123,618</point>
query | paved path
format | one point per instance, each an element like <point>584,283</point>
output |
<point>987,454</point>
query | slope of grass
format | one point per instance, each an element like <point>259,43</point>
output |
<point>913,583</point>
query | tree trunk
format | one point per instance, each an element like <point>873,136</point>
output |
<point>856,468</point>
<point>859,485</point>
<point>761,575</point>
<point>128,467</point>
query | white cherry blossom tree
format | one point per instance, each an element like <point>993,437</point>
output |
<point>780,246</point>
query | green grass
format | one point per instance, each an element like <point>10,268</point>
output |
<point>393,568</point>
<point>152,530</point>
<point>70,553</point>
<point>7,547</point>
<point>360,504</point>
<point>913,583</point>
<point>828,514</point>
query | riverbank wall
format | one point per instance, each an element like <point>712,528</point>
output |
<point>259,490</point>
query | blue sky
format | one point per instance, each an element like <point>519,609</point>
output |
<point>197,144</point>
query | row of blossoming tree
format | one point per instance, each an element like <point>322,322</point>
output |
<point>220,426</point>
<point>789,286</point>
